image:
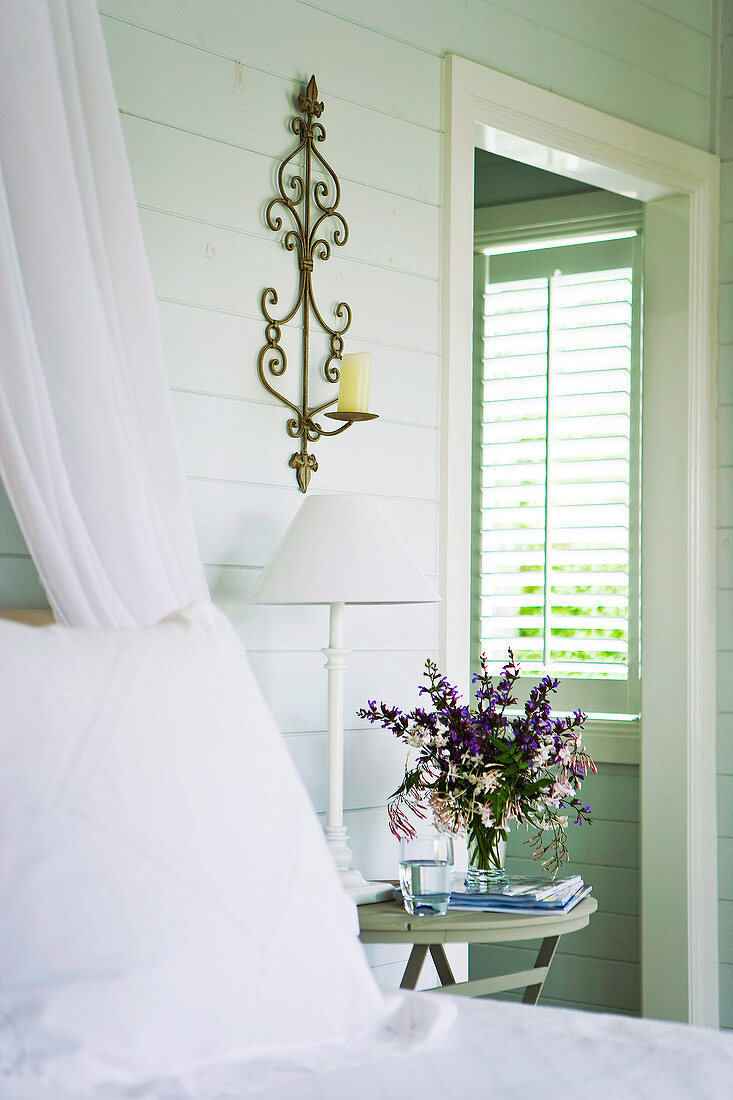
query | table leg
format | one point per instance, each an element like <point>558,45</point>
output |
<point>442,965</point>
<point>414,966</point>
<point>544,958</point>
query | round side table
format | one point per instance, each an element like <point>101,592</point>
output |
<point>387,922</point>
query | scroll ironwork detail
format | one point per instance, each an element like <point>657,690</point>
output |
<point>315,225</point>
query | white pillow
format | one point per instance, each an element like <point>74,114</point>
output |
<point>166,895</point>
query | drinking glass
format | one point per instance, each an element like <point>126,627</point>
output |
<point>426,871</point>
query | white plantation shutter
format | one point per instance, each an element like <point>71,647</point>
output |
<point>556,467</point>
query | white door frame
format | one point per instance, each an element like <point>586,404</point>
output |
<point>486,108</point>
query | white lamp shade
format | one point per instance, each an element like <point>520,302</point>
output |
<point>342,549</point>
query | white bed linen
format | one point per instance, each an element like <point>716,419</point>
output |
<point>167,899</point>
<point>441,1047</point>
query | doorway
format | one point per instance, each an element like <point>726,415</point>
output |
<point>489,111</point>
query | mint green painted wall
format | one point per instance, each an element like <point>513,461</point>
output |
<point>725,525</point>
<point>19,583</point>
<point>597,968</point>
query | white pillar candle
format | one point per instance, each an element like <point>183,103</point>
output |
<point>356,373</point>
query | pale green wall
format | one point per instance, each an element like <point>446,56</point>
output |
<point>725,528</point>
<point>204,88</point>
<point>19,584</point>
<point>597,968</point>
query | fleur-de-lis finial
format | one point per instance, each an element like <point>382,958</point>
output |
<point>308,100</point>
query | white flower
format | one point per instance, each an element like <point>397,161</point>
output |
<point>543,755</point>
<point>442,813</point>
<point>489,781</point>
<point>487,816</point>
<point>561,790</point>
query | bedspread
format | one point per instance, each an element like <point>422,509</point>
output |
<point>445,1047</point>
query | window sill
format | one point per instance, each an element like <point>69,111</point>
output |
<point>613,740</point>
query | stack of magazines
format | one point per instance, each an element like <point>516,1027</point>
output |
<point>521,894</point>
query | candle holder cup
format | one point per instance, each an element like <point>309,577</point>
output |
<point>351,417</point>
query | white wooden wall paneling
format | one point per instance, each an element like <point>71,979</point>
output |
<point>183,86</point>
<point>233,440</point>
<point>487,33</point>
<point>294,685</point>
<point>285,38</point>
<point>687,51</point>
<point>173,170</point>
<point>693,13</point>
<point>389,975</point>
<point>222,27</point>
<point>388,954</point>
<point>208,266</point>
<point>304,628</point>
<point>241,524</point>
<point>374,763</point>
<point>370,837</point>
<point>212,352</point>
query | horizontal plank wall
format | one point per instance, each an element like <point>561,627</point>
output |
<point>725,528</point>
<point>19,583</point>
<point>598,967</point>
<point>205,90</point>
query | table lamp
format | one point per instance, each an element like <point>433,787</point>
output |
<point>339,550</point>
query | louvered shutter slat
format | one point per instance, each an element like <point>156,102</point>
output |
<point>555,467</point>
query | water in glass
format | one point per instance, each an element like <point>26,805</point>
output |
<point>426,871</point>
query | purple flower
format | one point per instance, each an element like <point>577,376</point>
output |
<point>519,760</point>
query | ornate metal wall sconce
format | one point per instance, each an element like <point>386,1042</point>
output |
<point>310,203</point>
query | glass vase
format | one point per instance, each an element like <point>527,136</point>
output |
<point>486,852</point>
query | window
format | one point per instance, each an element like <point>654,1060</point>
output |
<point>557,463</point>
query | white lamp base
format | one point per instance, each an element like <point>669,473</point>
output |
<point>371,891</point>
<point>352,880</point>
<point>361,891</point>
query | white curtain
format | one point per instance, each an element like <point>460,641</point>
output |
<point>88,452</point>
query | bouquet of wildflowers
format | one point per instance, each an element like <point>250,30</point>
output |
<point>478,768</point>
